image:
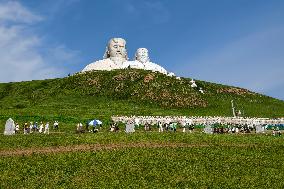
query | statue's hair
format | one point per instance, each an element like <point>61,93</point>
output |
<point>106,54</point>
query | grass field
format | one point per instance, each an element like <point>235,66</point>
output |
<point>64,159</point>
<point>142,160</point>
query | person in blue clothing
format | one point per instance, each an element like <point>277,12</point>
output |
<point>35,127</point>
<point>95,130</point>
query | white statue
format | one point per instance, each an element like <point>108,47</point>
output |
<point>193,84</point>
<point>9,127</point>
<point>130,127</point>
<point>114,57</point>
<point>142,61</point>
<point>171,74</point>
<point>208,129</point>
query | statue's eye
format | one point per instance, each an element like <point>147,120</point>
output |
<point>115,46</point>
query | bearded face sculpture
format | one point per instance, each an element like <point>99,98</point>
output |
<point>115,57</point>
<point>142,55</point>
<point>116,49</point>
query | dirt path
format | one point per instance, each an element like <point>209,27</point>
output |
<point>91,147</point>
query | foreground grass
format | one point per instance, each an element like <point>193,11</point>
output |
<point>65,139</point>
<point>229,161</point>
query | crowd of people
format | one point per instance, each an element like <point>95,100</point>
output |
<point>209,124</point>
<point>213,124</point>
<point>195,120</point>
<point>35,127</point>
<point>88,128</point>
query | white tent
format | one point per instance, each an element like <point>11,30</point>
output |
<point>9,127</point>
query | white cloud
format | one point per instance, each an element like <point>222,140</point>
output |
<point>15,12</point>
<point>21,57</point>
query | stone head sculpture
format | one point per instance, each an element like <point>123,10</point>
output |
<point>142,55</point>
<point>116,49</point>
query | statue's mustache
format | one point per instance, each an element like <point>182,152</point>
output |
<point>118,52</point>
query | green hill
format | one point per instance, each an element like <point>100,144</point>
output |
<point>127,92</point>
<point>142,159</point>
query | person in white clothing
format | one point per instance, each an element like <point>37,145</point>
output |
<point>160,127</point>
<point>46,129</point>
<point>56,125</point>
<point>184,127</point>
<point>17,128</point>
<point>40,127</point>
<point>31,127</point>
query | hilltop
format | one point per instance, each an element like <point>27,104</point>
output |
<point>127,92</point>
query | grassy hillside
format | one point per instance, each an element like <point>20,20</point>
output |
<point>141,159</point>
<point>126,92</point>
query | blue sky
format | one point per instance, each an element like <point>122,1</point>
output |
<point>233,42</point>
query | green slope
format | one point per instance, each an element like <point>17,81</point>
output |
<point>126,92</point>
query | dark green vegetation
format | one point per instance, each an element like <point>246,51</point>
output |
<point>126,92</point>
<point>214,161</point>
